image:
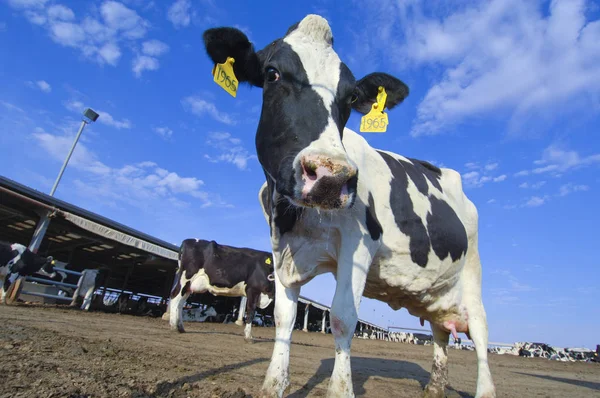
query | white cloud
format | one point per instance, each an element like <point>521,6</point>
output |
<point>110,53</point>
<point>556,160</point>
<point>491,166</point>
<point>142,63</point>
<point>60,12</point>
<point>123,19</point>
<point>104,117</point>
<point>40,85</point>
<point>27,3</point>
<point>536,185</point>
<point>180,13</point>
<point>491,201</point>
<point>498,55</point>
<point>536,201</point>
<point>130,183</point>
<point>164,132</point>
<point>570,188</point>
<point>230,150</point>
<point>11,107</point>
<point>475,179</point>
<point>99,37</point>
<point>201,107</point>
<point>154,48</point>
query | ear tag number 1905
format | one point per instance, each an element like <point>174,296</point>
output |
<point>376,121</point>
<point>223,75</point>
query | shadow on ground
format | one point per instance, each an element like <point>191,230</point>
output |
<point>582,383</point>
<point>364,368</point>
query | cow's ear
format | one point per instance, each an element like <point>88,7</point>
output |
<point>366,91</point>
<point>221,43</point>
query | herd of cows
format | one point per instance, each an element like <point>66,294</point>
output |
<point>392,228</point>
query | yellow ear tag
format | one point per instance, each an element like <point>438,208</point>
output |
<point>376,121</point>
<point>268,261</point>
<point>53,262</point>
<point>223,75</point>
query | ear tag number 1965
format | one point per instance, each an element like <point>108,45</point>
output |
<point>223,75</point>
<point>376,121</point>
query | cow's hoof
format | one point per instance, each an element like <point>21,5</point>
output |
<point>434,392</point>
<point>249,341</point>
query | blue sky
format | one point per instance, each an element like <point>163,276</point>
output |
<point>506,92</point>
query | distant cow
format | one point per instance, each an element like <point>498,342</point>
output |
<point>89,282</point>
<point>17,260</point>
<point>222,271</point>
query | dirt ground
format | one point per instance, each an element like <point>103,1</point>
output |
<point>54,352</point>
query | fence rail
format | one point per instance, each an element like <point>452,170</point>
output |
<point>54,283</point>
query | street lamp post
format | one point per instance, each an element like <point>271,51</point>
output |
<point>88,116</point>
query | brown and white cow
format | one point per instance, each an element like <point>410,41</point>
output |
<point>222,271</point>
<point>389,227</point>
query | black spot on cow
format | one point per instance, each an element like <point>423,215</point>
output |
<point>373,225</point>
<point>185,289</point>
<point>431,172</point>
<point>286,215</point>
<point>407,220</point>
<point>446,231</point>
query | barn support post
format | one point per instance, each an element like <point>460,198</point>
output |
<point>305,329</point>
<point>242,311</point>
<point>127,276</point>
<point>324,321</point>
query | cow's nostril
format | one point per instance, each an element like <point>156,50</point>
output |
<point>310,169</point>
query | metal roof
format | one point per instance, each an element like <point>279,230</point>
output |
<point>62,205</point>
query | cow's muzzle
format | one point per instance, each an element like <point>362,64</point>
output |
<point>327,183</point>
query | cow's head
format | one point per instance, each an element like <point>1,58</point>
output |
<point>47,266</point>
<point>308,94</point>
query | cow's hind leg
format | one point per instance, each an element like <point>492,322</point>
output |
<point>251,303</point>
<point>477,321</point>
<point>439,371</point>
<point>87,300</point>
<point>176,308</point>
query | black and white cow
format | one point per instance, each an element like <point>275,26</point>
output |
<point>222,271</point>
<point>389,227</point>
<point>17,260</point>
<point>89,282</point>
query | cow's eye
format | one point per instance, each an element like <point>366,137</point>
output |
<point>353,98</point>
<point>272,75</point>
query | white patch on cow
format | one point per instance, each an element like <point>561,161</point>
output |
<point>201,284</point>
<point>19,248</point>
<point>312,42</point>
<point>264,301</point>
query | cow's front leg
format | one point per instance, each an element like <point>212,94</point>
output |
<point>251,302</point>
<point>351,276</point>
<point>277,378</point>
<point>9,279</point>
